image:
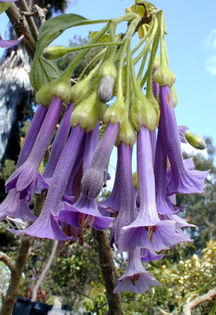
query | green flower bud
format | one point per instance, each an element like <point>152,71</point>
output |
<point>126,133</point>
<point>164,76</point>
<point>60,89</point>
<point>105,91</point>
<point>115,113</point>
<point>86,113</point>
<point>194,140</point>
<point>55,52</point>
<point>174,96</point>
<point>143,113</point>
<point>156,107</point>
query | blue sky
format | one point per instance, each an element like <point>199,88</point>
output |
<point>191,42</point>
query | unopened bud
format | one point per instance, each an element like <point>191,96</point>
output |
<point>108,68</point>
<point>195,141</point>
<point>55,52</point>
<point>105,91</point>
<point>78,90</point>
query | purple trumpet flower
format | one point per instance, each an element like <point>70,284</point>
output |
<point>24,177</point>
<point>136,279</point>
<point>46,225</point>
<point>8,0</point>
<point>93,178</point>
<point>57,147</point>
<point>84,213</point>
<point>164,205</point>
<point>13,206</point>
<point>147,231</point>
<point>10,43</point>
<point>183,181</point>
<point>126,190</point>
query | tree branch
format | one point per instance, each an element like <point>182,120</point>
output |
<point>44,272</point>
<point>30,20</point>
<point>191,304</point>
<point>8,261</point>
<point>16,275</point>
<point>21,28</point>
<point>108,272</point>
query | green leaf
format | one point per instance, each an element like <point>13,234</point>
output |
<point>4,7</point>
<point>49,31</point>
<point>46,71</point>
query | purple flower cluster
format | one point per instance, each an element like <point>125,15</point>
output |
<point>143,216</point>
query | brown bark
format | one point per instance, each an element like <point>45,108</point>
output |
<point>108,272</point>
<point>16,275</point>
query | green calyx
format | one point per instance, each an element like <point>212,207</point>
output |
<point>86,113</point>
<point>142,112</point>
<point>126,133</point>
<point>108,68</point>
<point>194,140</point>
<point>164,76</point>
<point>79,89</point>
<point>116,113</point>
<point>59,88</point>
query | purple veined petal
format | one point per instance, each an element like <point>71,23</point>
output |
<point>91,142</point>
<point>84,213</point>
<point>180,222</point>
<point>182,130</point>
<point>149,255</point>
<point>164,204</point>
<point>15,207</point>
<point>10,43</point>
<point>136,279</point>
<point>147,231</point>
<point>32,134</point>
<point>184,181</point>
<point>50,230</point>
<point>126,190</point>
<point>59,142</point>
<point>8,0</point>
<point>93,178</point>
<point>24,178</point>
<point>46,225</point>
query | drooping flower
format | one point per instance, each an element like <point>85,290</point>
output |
<point>184,181</point>
<point>93,178</point>
<point>24,177</point>
<point>57,147</point>
<point>46,225</point>
<point>136,279</point>
<point>147,230</point>
<point>84,213</point>
<point>10,43</point>
<point>13,206</point>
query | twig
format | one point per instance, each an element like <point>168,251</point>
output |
<point>8,261</point>
<point>108,272</point>
<point>21,28</point>
<point>192,303</point>
<point>16,275</point>
<point>41,13</point>
<point>44,272</point>
<point>30,20</point>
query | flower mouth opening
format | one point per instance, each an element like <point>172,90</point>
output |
<point>135,278</point>
<point>85,221</point>
<point>150,230</point>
